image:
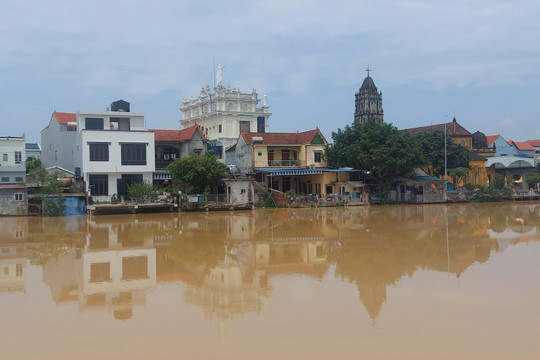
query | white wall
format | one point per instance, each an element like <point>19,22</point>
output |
<point>57,147</point>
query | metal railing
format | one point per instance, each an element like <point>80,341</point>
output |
<point>279,163</point>
<point>217,198</point>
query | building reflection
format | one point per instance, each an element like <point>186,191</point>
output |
<point>112,268</point>
<point>13,254</point>
<point>226,261</point>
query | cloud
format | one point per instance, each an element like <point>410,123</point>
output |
<point>302,48</point>
<point>508,123</point>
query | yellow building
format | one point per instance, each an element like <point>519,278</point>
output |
<point>476,143</point>
<point>290,161</point>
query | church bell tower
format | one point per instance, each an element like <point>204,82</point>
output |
<point>368,102</point>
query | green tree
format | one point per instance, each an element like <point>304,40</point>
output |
<point>380,149</point>
<point>533,178</point>
<point>49,188</point>
<point>459,174</point>
<point>499,181</point>
<point>432,145</point>
<point>197,174</point>
<point>141,190</point>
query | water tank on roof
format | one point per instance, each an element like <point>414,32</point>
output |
<point>120,105</point>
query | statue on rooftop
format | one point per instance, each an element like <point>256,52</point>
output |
<point>219,74</point>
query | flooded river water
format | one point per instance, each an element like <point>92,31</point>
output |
<point>397,282</point>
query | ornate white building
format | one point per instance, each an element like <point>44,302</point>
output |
<point>224,113</point>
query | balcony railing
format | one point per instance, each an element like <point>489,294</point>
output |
<point>280,163</point>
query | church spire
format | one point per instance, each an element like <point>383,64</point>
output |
<point>368,102</point>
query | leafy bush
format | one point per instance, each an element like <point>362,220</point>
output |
<point>499,181</point>
<point>291,193</point>
<point>491,194</point>
<point>140,191</point>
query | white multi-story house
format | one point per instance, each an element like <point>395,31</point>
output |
<point>225,113</point>
<point>13,199</point>
<point>109,149</point>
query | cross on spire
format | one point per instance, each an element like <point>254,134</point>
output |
<point>368,70</point>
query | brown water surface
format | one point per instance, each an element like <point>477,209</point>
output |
<point>399,282</point>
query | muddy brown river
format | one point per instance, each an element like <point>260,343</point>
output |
<point>379,282</point>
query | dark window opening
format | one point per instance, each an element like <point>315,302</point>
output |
<point>133,154</point>
<point>244,127</point>
<point>135,268</point>
<point>99,184</point>
<point>100,272</point>
<point>99,152</point>
<point>93,123</point>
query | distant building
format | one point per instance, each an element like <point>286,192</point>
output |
<point>368,102</point>
<point>33,151</point>
<point>173,144</point>
<point>109,149</point>
<point>224,113</point>
<point>513,159</point>
<point>289,161</point>
<point>13,195</point>
<point>477,144</point>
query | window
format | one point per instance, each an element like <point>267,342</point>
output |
<point>5,157</point>
<point>99,184</point>
<point>135,268</point>
<point>259,153</point>
<point>100,272</point>
<point>99,152</point>
<point>285,155</point>
<point>245,107</point>
<point>260,124</point>
<point>18,157</point>
<point>133,154</point>
<point>244,127</point>
<point>219,127</point>
<point>93,123</point>
<point>317,155</point>
<point>230,106</point>
<point>5,178</point>
<point>18,179</point>
<point>18,270</point>
<point>19,197</point>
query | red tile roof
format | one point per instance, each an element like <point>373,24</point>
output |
<point>533,142</point>
<point>64,118</point>
<point>176,135</point>
<point>453,128</point>
<point>491,138</point>
<point>521,145</point>
<point>305,137</point>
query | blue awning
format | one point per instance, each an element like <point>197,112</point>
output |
<point>162,176</point>
<point>287,172</point>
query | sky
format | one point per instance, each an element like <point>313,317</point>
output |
<point>432,60</point>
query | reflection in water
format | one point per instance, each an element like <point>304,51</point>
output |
<point>226,261</point>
